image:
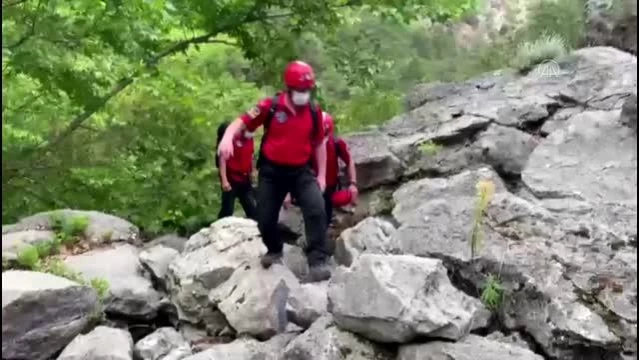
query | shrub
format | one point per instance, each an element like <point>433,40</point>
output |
<point>28,257</point>
<point>529,54</point>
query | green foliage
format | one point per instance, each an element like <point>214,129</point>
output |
<point>28,257</point>
<point>492,294</point>
<point>101,286</point>
<point>430,148</point>
<point>530,54</point>
<point>563,18</point>
<point>68,231</point>
<point>485,192</point>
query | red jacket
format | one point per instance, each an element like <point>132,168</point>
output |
<point>290,140</point>
<point>336,149</point>
<point>240,165</point>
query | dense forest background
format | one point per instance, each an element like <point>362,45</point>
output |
<point>112,105</point>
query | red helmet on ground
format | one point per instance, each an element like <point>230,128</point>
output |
<point>299,76</point>
<point>329,125</point>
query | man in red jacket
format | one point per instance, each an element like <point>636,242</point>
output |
<point>292,137</point>
<point>235,176</point>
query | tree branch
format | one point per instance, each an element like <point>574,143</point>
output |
<point>7,4</point>
<point>181,46</point>
<point>31,32</point>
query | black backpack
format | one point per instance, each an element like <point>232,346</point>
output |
<point>269,117</point>
<point>221,129</point>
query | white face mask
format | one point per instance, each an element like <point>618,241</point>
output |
<point>248,135</point>
<point>300,98</point>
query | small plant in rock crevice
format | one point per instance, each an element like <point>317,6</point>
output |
<point>492,290</point>
<point>430,148</point>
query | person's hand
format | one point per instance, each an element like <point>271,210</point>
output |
<point>225,149</point>
<point>287,201</point>
<point>354,193</point>
<point>226,186</point>
<point>254,176</point>
<point>322,184</point>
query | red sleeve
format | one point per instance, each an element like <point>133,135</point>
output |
<point>319,135</point>
<point>255,116</point>
<point>342,151</point>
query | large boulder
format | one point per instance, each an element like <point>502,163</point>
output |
<point>163,344</point>
<point>155,261</point>
<point>254,300</point>
<point>130,293</point>
<point>208,260</point>
<point>325,341</point>
<point>42,313</point>
<point>470,347</point>
<point>103,343</point>
<point>547,254</point>
<point>307,303</point>
<point>371,235</point>
<point>397,298</point>
<point>102,228</point>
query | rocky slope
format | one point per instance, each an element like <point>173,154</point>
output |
<point>559,233</point>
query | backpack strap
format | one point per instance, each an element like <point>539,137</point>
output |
<point>267,122</point>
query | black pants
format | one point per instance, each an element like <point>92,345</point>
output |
<point>328,203</point>
<point>273,185</point>
<point>244,192</point>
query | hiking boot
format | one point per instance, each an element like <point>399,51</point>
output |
<point>317,273</point>
<point>269,259</point>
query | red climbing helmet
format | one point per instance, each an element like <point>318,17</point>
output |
<point>299,76</point>
<point>329,125</point>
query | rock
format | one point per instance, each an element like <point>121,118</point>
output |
<point>13,242</point>
<point>599,155</point>
<point>172,241</point>
<point>295,260</point>
<point>376,165</point>
<point>413,297</point>
<point>130,294</point>
<point>163,344</point>
<point>372,235</point>
<point>155,261</point>
<point>102,228</point>
<point>42,313</point>
<point>307,303</point>
<point>103,343</point>
<point>246,349</point>
<point>471,347</point>
<point>410,196</point>
<point>209,259</point>
<point>505,148</point>
<point>325,341</point>
<point>254,300</point>
<point>629,112</point>
<point>512,339</point>
<point>545,259</point>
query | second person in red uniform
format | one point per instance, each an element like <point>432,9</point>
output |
<point>293,135</point>
<point>336,149</point>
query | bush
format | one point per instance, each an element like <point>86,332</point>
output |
<point>28,257</point>
<point>529,54</point>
